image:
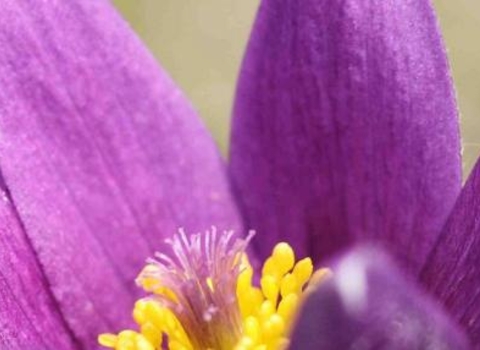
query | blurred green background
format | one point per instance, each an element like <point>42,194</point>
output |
<point>201,42</point>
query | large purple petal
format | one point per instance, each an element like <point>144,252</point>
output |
<point>452,271</point>
<point>367,305</point>
<point>345,127</point>
<point>101,153</point>
<point>29,317</point>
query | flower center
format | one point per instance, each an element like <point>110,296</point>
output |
<point>202,297</point>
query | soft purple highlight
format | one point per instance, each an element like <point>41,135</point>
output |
<point>368,305</point>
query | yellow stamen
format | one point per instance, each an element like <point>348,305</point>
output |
<point>266,313</point>
<point>267,318</point>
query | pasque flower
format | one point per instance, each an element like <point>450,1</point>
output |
<point>345,131</point>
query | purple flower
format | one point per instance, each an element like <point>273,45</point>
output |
<point>345,130</point>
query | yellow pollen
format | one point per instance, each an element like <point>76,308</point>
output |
<point>265,314</point>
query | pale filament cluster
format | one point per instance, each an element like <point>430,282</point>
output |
<point>202,297</point>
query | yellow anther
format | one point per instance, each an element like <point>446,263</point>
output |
<point>170,319</point>
<point>274,327</point>
<point>303,271</point>
<point>241,346</point>
<point>107,339</point>
<point>249,301</point>
<point>266,310</point>
<point>139,311</point>
<point>175,345</point>
<point>284,257</point>
<point>245,343</point>
<point>155,313</point>
<point>252,329</point>
<point>142,343</point>
<point>288,285</point>
<point>127,334</point>
<point>129,340</point>
<point>287,306</point>
<point>244,279</point>
<point>270,268</point>
<point>152,333</point>
<point>270,288</point>
<point>261,347</point>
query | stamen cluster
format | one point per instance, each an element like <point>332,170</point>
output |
<point>269,311</point>
<point>202,297</point>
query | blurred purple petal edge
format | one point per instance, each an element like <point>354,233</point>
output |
<point>367,304</point>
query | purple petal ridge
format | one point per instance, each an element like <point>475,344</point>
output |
<point>452,271</point>
<point>101,153</point>
<point>368,305</point>
<point>345,127</point>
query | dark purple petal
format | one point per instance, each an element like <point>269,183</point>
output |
<point>345,127</point>
<point>367,305</point>
<point>102,154</point>
<point>29,317</point>
<point>452,271</point>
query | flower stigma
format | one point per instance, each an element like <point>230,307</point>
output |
<point>201,296</point>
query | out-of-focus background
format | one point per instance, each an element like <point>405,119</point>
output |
<point>201,43</point>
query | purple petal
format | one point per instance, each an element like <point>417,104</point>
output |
<point>345,127</point>
<point>101,153</point>
<point>452,271</point>
<point>28,315</point>
<point>368,305</point>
